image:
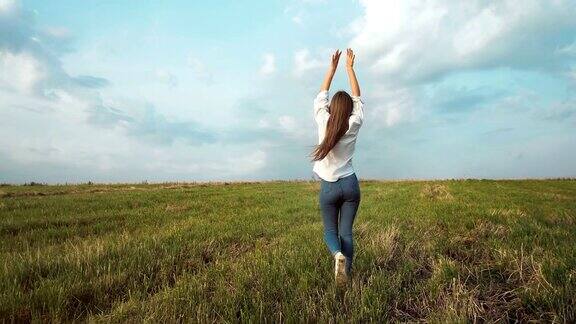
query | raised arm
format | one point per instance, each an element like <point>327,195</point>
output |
<point>331,71</point>
<point>355,88</point>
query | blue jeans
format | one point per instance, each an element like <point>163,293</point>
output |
<point>340,198</point>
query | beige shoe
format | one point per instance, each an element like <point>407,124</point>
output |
<point>340,268</point>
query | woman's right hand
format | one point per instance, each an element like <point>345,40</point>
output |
<point>351,74</point>
<point>350,58</point>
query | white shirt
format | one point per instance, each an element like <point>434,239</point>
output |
<point>338,163</point>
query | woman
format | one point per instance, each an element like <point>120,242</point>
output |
<point>338,126</point>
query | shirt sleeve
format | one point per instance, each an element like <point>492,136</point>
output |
<point>357,109</point>
<point>321,106</point>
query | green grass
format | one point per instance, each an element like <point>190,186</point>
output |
<point>435,251</point>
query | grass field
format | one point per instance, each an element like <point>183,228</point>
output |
<point>437,251</point>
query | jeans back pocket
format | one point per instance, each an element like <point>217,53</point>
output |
<point>352,189</point>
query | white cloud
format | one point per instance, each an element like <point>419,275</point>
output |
<point>60,136</point>
<point>58,32</point>
<point>56,134</point>
<point>7,6</point>
<point>572,75</point>
<point>297,19</point>
<point>246,162</point>
<point>416,40</point>
<point>560,111</point>
<point>269,66</point>
<point>299,11</point>
<point>200,70</point>
<point>288,125</point>
<point>263,123</point>
<point>20,71</point>
<point>166,77</point>
<point>393,106</point>
<point>569,50</point>
<point>304,63</point>
<point>216,161</point>
<point>292,127</point>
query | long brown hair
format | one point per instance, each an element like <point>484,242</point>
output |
<point>340,109</point>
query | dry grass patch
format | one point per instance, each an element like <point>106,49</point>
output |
<point>457,302</point>
<point>522,270</point>
<point>435,192</point>
<point>469,248</point>
<point>493,290</point>
<point>559,218</point>
<point>236,249</point>
<point>176,207</point>
<point>507,212</point>
<point>485,229</point>
<point>386,245</point>
<point>556,196</point>
<point>183,186</point>
<point>363,230</point>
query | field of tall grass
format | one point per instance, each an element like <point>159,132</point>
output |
<point>454,250</point>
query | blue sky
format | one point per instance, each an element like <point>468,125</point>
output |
<point>122,91</point>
